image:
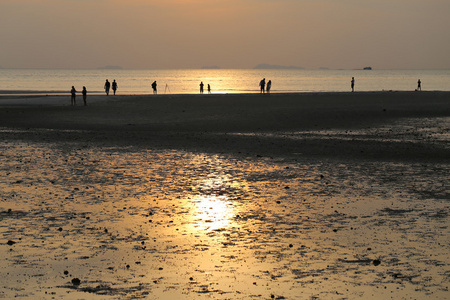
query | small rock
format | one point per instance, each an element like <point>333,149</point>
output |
<point>376,262</point>
<point>76,281</point>
<point>66,272</point>
<point>60,229</point>
<point>290,245</point>
<point>11,243</point>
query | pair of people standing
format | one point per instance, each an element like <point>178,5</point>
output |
<point>263,87</point>
<point>73,97</point>
<point>201,88</point>
<point>108,86</point>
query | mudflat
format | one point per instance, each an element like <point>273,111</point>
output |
<point>282,196</point>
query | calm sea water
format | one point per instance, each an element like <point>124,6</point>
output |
<point>221,81</point>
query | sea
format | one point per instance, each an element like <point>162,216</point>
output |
<point>223,81</point>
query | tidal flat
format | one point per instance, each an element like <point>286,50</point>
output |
<point>336,212</point>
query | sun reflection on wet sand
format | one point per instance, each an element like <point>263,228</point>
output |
<point>133,223</point>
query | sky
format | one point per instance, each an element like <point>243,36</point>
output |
<point>184,34</point>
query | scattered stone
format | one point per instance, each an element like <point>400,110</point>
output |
<point>11,243</point>
<point>368,249</point>
<point>76,281</point>
<point>376,262</point>
<point>128,266</point>
<point>290,245</point>
<point>335,230</point>
<point>191,278</point>
<point>66,272</point>
<point>60,229</point>
<point>278,201</point>
<point>160,269</point>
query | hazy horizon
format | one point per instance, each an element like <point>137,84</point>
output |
<point>232,34</point>
<point>200,68</point>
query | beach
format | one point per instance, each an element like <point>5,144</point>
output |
<point>226,196</point>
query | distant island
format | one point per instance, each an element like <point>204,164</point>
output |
<point>275,67</point>
<point>211,67</point>
<point>111,68</point>
<point>367,68</point>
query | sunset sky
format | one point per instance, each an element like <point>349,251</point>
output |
<point>171,34</point>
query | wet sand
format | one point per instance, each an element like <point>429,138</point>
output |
<point>282,196</point>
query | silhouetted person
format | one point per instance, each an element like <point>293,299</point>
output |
<point>114,86</point>
<point>201,87</point>
<point>353,84</point>
<point>84,92</point>
<point>73,96</point>
<point>209,89</point>
<point>269,85</point>
<point>107,86</point>
<point>262,85</point>
<point>419,85</point>
<point>154,87</point>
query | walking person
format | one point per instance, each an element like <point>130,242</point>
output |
<point>269,85</point>
<point>262,85</point>
<point>209,89</point>
<point>154,87</point>
<point>419,85</point>
<point>201,87</point>
<point>73,96</point>
<point>353,84</point>
<point>114,86</point>
<point>107,87</point>
<point>84,93</point>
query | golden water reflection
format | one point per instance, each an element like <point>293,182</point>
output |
<point>213,207</point>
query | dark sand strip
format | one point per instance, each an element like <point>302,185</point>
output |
<point>378,125</point>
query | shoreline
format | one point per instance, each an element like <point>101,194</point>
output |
<point>376,125</point>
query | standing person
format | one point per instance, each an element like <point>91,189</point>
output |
<point>84,92</point>
<point>73,96</point>
<point>262,84</point>
<point>201,87</point>
<point>114,86</point>
<point>269,85</point>
<point>209,89</point>
<point>419,85</point>
<point>154,87</point>
<point>353,84</point>
<point>107,86</point>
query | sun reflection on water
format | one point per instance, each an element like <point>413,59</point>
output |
<point>213,206</point>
